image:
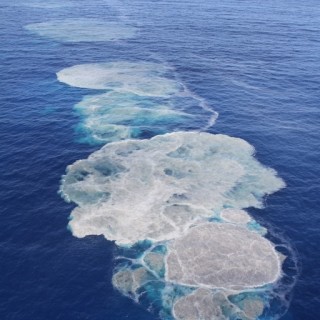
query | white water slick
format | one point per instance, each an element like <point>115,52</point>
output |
<point>156,189</point>
<point>185,191</point>
<point>83,30</point>
<point>139,99</point>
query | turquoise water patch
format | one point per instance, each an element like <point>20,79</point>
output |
<point>116,116</point>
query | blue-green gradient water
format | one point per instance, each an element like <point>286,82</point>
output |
<point>255,63</point>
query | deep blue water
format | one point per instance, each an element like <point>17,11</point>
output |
<point>256,62</point>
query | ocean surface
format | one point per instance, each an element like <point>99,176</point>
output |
<point>249,69</point>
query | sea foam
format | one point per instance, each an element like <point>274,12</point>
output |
<point>82,30</point>
<point>156,189</point>
<point>141,99</point>
<point>142,78</point>
<point>234,258</point>
<point>174,205</point>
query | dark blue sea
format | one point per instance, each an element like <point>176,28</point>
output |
<point>256,63</point>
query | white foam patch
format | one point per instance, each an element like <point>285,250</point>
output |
<point>220,255</point>
<point>156,189</point>
<point>82,30</point>
<point>141,97</point>
<point>142,78</point>
<point>214,305</point>
<point>201,304</point>
<point>235,216</point>
<point>117,116</point>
